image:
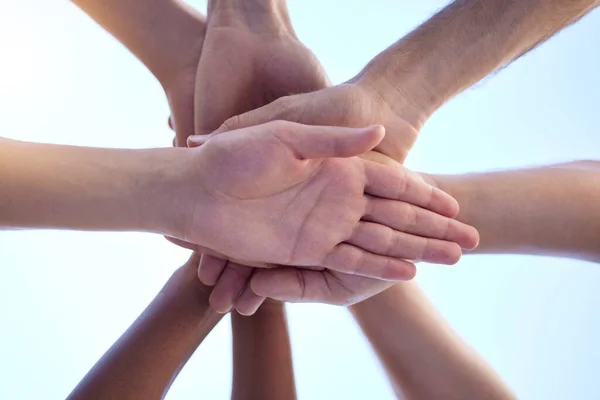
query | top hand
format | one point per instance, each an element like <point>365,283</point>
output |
<point>233,279</point>
<point>304,210</point>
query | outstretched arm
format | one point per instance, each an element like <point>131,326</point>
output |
<point>69,187</point>
<point>404,85</point>
<point>424,358</point>
<point>462,44</point>
<point>548,210</point>
<point>163,34</point>
<point>262,355</point>
<point>145,361</point>
<point>167,36</point>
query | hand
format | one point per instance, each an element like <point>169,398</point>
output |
<point>249,59</point>
<point>353,104</point>
<point>287,196</point>
<point>232,279</point>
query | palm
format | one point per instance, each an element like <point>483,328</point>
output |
<point>286,199</point>
<point>244,71</point>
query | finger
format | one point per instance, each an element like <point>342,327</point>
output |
<point>271,112</point>
<point>353,260</point>
<point>197,140</point>
<point>382,240</point>
<point>399,183</point>
<point>182,118</point>
<point>210,269</point>
<point>299,285</point>
<point>405,217</point>
<point>170,122</point>
<point>310,142</point>
<point>248,302</point>
<point>181,243</point>
<point>229,287</point>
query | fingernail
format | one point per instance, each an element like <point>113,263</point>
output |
<point>196,140</point>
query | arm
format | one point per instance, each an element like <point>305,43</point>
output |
<point>167,36</point>
<point>463,43</point>
<point>163,34</point>
<point>405,84</point>
<point>424,358</point>
<point>262,355</point>
<point>145,361</point>
<point>191,195</point>
<point>540,211</point>
<point>68,187</point>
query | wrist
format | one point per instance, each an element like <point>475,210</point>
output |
<point>258,16</point>
<point>402,88</point>
<point>164,196</point>
<point>463,190</point>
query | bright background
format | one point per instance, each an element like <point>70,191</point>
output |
<point>65,297</point>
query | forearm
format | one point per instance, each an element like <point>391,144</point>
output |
<point>424,358</point>
<point>144,362</point>
<point>163,34</point>
<point>462,44</point>
<point>540,211</point>
<point>261,16</point>
<point>262,356</point>
<point>67,187</point>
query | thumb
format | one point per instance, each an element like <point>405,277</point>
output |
<point>197,140</point>
<point>262,115</point>
<point>310,142</point>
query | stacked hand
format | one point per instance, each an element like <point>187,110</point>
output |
<point>253,70</point>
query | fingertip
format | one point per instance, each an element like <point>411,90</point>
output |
<point>219,303</point>
<point>399,270</point>
<point>444,204</point>
<point>249,302</point>
<point>472,238</point>
<point>196,140</point>
<point>374,134</point>
<point>257,284</point>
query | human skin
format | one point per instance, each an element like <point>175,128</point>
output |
<point>290,197</point>
<point>404,85</point>
<point>145,361</point>
<point>423,356</point>
<point>167,37</point>
<point>262,355</point>
<point>544,210</point>
<point>401,88</point>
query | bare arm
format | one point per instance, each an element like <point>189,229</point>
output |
<point>462,44</point>
<point>165,35</point>
<point>262,356</point>
<point>424,358</point>
<point>69,187</point>
<point>144,362</point>
<point>540,211</point>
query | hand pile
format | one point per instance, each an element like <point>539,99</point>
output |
<point>343,228</point>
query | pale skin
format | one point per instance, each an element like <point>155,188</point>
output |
<point>401,88</point>
<point>423,356</point>
<point>291,196</point>
<point>167,37</point>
